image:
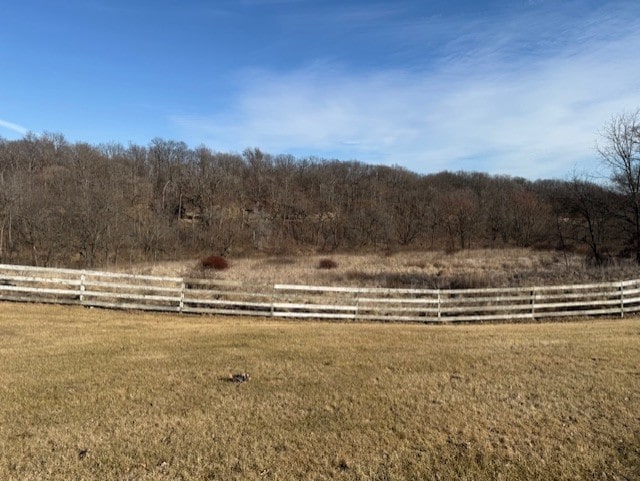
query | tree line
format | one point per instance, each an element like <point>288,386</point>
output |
<point>77,204</point>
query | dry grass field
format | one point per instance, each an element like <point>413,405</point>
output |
<point>111,395</point>
<point>421,269</point>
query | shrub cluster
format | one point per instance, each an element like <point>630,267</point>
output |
<point>217,263</point>
<point>327,264</point>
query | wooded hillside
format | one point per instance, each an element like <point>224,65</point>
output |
<point>76,204</point>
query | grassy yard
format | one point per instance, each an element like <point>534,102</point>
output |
<point>91,394</point>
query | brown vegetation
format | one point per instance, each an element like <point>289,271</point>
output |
<point>326,263</point>
<point>64,204</point>
<point>421,269</point>
<point>217,263</point>
<point>91,394</point>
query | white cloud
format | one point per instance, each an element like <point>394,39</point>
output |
<point>530,114</point>
<point>13,127</point>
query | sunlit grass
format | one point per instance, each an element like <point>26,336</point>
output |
<point>91,394</point>
<point>423,269</point>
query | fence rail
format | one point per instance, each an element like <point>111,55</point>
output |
<point>201,296</point>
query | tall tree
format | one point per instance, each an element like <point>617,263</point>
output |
<point>590,213</point>
<point>620,151</point>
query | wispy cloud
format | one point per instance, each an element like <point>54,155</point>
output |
<point>499,99</point>
<point>19,129</point>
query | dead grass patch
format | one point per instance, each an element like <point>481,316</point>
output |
<point>430,269</point>
<point>92,394</point>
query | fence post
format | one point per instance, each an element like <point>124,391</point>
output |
<point>82,287</point>
<point>533,302</point>
<point>355,312</point>
<point>439,305</point>
<point>183,286</point>
<point>273,300</point>
<point>621,299</point>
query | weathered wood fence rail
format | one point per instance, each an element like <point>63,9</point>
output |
<point>183,295</point>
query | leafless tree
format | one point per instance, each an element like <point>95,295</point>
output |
<point>620,151</point>
<point>590,216</point>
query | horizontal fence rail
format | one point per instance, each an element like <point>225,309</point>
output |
<point>210,296</point>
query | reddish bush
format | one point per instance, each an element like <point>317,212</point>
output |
<point>327,264</point>
<point>217,263</point>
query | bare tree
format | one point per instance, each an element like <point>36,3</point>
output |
<point>620,151</point>
<point>460,214</point>
<point>590,216</point>
<point>530,218</point>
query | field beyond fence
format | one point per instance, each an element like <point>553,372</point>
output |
<point>211,296</point>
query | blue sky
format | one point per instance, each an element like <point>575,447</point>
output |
<point>516,87</point>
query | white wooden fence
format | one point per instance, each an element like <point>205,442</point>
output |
<point>183,295</point>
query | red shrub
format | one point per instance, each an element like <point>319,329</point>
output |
<point>327,264</point>
<point>218,263</point>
